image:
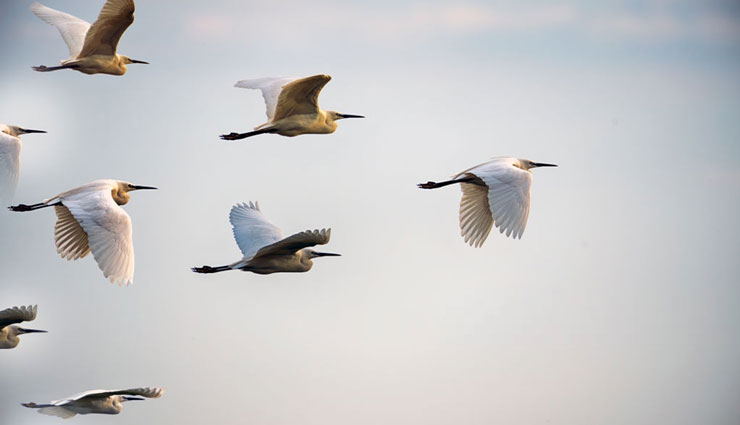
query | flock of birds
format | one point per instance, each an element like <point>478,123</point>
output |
<point>90,218</point>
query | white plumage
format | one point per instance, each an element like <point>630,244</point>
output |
<point>10,158</point>
<point>495,193</point>
<point>96,401</point>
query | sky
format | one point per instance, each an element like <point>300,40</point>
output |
<point>619,305</point>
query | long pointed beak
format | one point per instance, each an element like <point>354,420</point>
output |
<point>28,130</point>
<point>132,398</point>
<point>144,187</point>
<point>135,61</point>
<point>30,331</point>
<point>326,254</point>
<point>351,116</point>
<point>542,164</point>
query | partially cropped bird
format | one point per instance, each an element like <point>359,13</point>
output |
<point>92,48</point>
<point>292,107</point>
<point>264,247</point>
<point>494,193</point>
<point>10,158</point>
<point>89,218</point>
<point>9,331</point>
<point>107,402</point>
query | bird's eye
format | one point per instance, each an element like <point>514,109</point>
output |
<point>130,186</point>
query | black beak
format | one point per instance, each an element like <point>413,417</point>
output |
<point>31,331</point>
<point>351,116</point>
<point>135,61</point>
<point>542,164</point>
<point>132,398</point>
<point>134,187</point>
<point>27,130</point>
<point>326,254</point>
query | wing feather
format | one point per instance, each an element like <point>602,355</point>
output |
<point>475,217</point>
<point>20,314</point>
<point>103,36</point>
<point>270,87</point>
<point>70,238</point>
<point>252,230</point>
<point>296,242</point>
<point>109,233</point>
<point>72,28</point>
<point>300,96</point>
<point>10,165</point>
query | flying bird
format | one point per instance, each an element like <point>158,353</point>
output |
<point>493,193</point>
<point>10,158</point>
<point>107,402</point>
<point>89,218</point>
<point>264,247</point>
<point>9,331</point>
<point>92,48</point>
<point>292,107</point>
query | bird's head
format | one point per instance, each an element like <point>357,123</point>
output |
<point>127,60</point>
<point>309,254</point>
<point>335,116</point>
<point>123,398</point>
<point>15,131</point>
<point>121,189</point>
<point>526,164</point>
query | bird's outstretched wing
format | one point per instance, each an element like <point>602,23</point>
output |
<point>153,392</point>
<point>20,314</point>
<point>270,87</point>
<point>10,164</point>
<point>508,194</point>
<point>295,242</point>
<point>69,237</point>
<point>252,230</point>
<point>72,28</point>
<point>103,36</point>
<point>300,96</point>
<point>108,230</point>
<point>58,411</point>
<point>475,215</point>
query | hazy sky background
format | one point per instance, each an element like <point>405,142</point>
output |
<point>620,305</point>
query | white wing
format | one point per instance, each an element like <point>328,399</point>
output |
<point>270,87</point>
<point>475,215</point>
<point>508,194</point>
<point>154,392</point>
<point>252,230</point>
<point>73,29</point>
<point>17,315</point>
<point>106,31</point>
<point>57,411</point>
<point>10,164</point>
<point>108,229</point>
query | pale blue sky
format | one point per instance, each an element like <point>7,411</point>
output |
<point>620,304</point>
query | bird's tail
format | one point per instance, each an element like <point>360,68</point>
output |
<point>238,136</point>
<point>209,269</point>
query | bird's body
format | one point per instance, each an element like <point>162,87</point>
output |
<point>264,248</point>
<point>292,107</point>
<point>92,48</point>
<point>107,402</point>
<point>495,192</point>
<point>10,157</point>
<point>90,219</point>
<point>9,331</point>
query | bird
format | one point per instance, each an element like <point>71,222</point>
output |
<point>264,247</point>
<point>89,218</point>
<point>9,331</point>
<point>496,193</point>
<point>292,107</point>
<point>10,157</point>
<point>107,402</point>
<point>92,48</point>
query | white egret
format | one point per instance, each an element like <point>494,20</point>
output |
<point>10,157</point>
<point>495,192</point>
<point>264,247</point>
<point>89,218</point>
<point>292,107</point>
<point>92,48</point>
<point>9,331</point>
<point>107,402</point>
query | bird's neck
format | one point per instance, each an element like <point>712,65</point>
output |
<point>120,197</point>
